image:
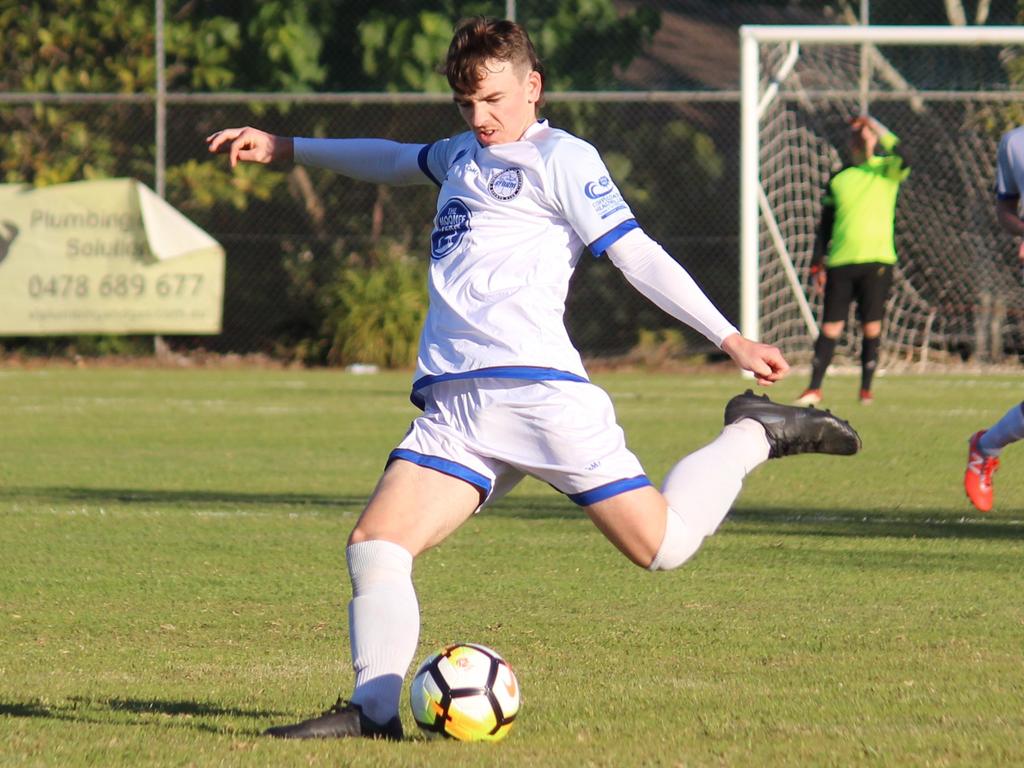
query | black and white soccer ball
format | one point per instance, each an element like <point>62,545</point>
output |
<point>466,692</point>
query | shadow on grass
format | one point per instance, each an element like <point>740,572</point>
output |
<point>164,707</point>
<point>824,521</point>
<point>149,712</point>
<point>810,521</point>
<point>858,523</point>
<point>64,494</point>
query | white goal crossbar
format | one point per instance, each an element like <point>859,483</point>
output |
<point>755,98</point>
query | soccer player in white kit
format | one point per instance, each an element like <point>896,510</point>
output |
<point>504,393</point>
<point>986,445</point>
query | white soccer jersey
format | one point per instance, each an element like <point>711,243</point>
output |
<point>511,223</point>
<point>1010,165</point>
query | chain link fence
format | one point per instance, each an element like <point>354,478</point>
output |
<point>287,232</point>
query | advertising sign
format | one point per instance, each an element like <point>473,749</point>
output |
<point>104,256</point>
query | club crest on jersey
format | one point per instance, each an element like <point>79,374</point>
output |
<point>450,226</point>
<point>507,184</point>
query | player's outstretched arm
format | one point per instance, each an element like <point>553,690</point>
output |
<point>375,160</point>
<point>649,269</point>
<point>251,145</point>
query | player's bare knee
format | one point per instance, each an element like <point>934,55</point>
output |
<point>833,330</point>
<point>357,536</point>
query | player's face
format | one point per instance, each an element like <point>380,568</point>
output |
<point>503,105</point>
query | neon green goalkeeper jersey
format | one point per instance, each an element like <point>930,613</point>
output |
<point>863,198</point>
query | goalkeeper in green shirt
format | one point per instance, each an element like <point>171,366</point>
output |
<point>855,251</point>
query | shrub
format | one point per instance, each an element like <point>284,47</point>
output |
<point>375,312</point>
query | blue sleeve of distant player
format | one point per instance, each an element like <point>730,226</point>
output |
<point>1009,158</point>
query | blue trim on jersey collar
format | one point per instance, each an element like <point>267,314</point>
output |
<point>446,466</point>
<point>520,372</point>
<point>1008,195</point>
<point>421,158</point>
<point>608,490</point>
<point>599,246</point>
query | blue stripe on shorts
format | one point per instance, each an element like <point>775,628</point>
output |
<point>446,466</point>
<point>606,491</point>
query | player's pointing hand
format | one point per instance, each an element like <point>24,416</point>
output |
<point>763,360</point>
<point>250,145</point>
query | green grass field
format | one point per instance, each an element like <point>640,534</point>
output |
<point>173,582</point>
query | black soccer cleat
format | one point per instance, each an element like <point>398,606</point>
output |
<point>342,721</point>
<point>792,429</point>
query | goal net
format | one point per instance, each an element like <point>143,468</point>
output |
<point>948,93</point>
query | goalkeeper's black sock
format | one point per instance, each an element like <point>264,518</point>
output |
<point>824,348</point>
<point>868,361</point>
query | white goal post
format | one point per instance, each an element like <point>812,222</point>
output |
<point>948,92</point>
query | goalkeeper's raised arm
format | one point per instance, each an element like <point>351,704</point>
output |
<point>890,144</point>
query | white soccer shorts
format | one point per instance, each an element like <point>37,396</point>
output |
<point>493,432</point>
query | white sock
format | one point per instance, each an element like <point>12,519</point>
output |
<point>701,488</point>
<point>384,625</point>
<point>1008,429</point>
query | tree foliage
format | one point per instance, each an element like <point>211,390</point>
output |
<point>109,46</point>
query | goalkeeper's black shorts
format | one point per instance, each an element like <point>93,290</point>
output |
<point>866,284</point>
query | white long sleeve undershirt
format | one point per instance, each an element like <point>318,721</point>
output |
<point>376,160</point>
<point>660,278</point>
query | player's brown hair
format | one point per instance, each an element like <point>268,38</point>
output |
<point>482,39</point>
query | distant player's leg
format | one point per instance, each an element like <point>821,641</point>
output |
<point>1008,429</point>
<point>870,345</point>
<point>412,509</point>
<point>983,456</point>
<point>872,294</point>
<point>662,531</point>
<point>838,296</point>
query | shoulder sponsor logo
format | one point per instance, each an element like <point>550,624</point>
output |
<point>598,189</point>
<point>450,226</point>
<point>604,197</point>
<point>507,184</point>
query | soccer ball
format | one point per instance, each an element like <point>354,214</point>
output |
<point>466,692</point>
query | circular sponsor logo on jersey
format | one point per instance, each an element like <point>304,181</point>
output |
<point>450,226</point>
<point>598,189</point>
<point>506,184</point>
